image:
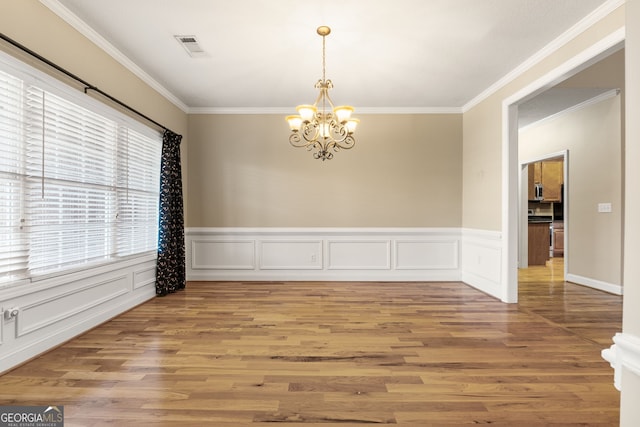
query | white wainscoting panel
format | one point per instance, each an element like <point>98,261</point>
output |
<point>427,254</point>
<point>290,254</point>
<point>76,298</point>
<point>223,254</point>
<point>359,255</point>
<point>356,254</point>
<point>145,276</point>
<point>482,260</point>
<point>55,309</point>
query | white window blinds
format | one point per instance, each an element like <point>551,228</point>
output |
<point>13,244</point>
<point>77,185</point>
<point>137,196</point>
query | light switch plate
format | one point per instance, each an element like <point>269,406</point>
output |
<point>604,207</point>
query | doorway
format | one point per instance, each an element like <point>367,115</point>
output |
<point>544,204</point>
<point>511,164</point>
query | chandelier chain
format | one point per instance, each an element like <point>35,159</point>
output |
<point>324,73</point>
<point>324,60</point>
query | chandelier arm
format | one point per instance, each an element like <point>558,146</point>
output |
<point>307,137</point>
<point>326,94</point>
<point>347,143</point>
<point>310,131</point>
<point>322,131</point>
<point>321,93</point>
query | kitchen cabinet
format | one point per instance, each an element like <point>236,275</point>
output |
<point>539,242</point>
<point>552,180</point>
<point>549,173</point>
<point>558,239</point>
<point>535,177</point>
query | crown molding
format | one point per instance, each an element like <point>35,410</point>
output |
<point>360,110</point>
<point>605,9</point>
<point>595,16</point>
<point>65,14</point>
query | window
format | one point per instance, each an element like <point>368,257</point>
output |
<point>78,182</point>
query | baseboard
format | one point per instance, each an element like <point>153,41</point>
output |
<point>595,284</point>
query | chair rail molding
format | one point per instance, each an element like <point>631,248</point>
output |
<point>624,353</point>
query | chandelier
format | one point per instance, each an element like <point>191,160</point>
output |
<point>321,126</point>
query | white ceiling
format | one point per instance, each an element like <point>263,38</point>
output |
<point>382,55</point>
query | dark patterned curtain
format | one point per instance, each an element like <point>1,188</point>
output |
<point>170,272</point>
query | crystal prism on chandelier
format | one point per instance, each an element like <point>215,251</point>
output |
<point>321,126</point>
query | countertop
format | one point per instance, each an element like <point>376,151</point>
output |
<point>537,219</point>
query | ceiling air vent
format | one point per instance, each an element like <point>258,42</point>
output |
<point>190,44</point>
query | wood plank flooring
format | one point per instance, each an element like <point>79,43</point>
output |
<point>345,354</point>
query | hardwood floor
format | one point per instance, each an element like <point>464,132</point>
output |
<point>413,354</point>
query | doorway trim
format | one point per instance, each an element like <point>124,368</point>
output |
<point>510,162</point>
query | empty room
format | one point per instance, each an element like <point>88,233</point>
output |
<point>241,213</point>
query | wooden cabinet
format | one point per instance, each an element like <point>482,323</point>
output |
<point>539,242</point>
<point>552,179</point>
<point>535,177</point>
<point>549,173</point>
<point>558,239</point>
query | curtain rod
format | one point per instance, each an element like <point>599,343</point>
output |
<point>87,86</point>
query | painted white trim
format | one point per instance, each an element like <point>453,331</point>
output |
<point>481,255</point>
<point>598,14</point>
<point>67,311</point>
<point>624,353</point>
<point>359,246</point>
<point>546,156</point>
<point>510,190</point>
<point>510,162</point>
<point>57,309</point>
<point>314,246</point>
<point>401,263</point>
<point>329,254</point>
<point>144,277</point>
<point>246,263</point>
<point>17,355</point>
<point>612,288</point>
<point>320,231</point>
<point>359,110</point>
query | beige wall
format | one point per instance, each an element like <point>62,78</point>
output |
<point>592,135</point>
<point>404,171</point>
<point>482,129</point>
